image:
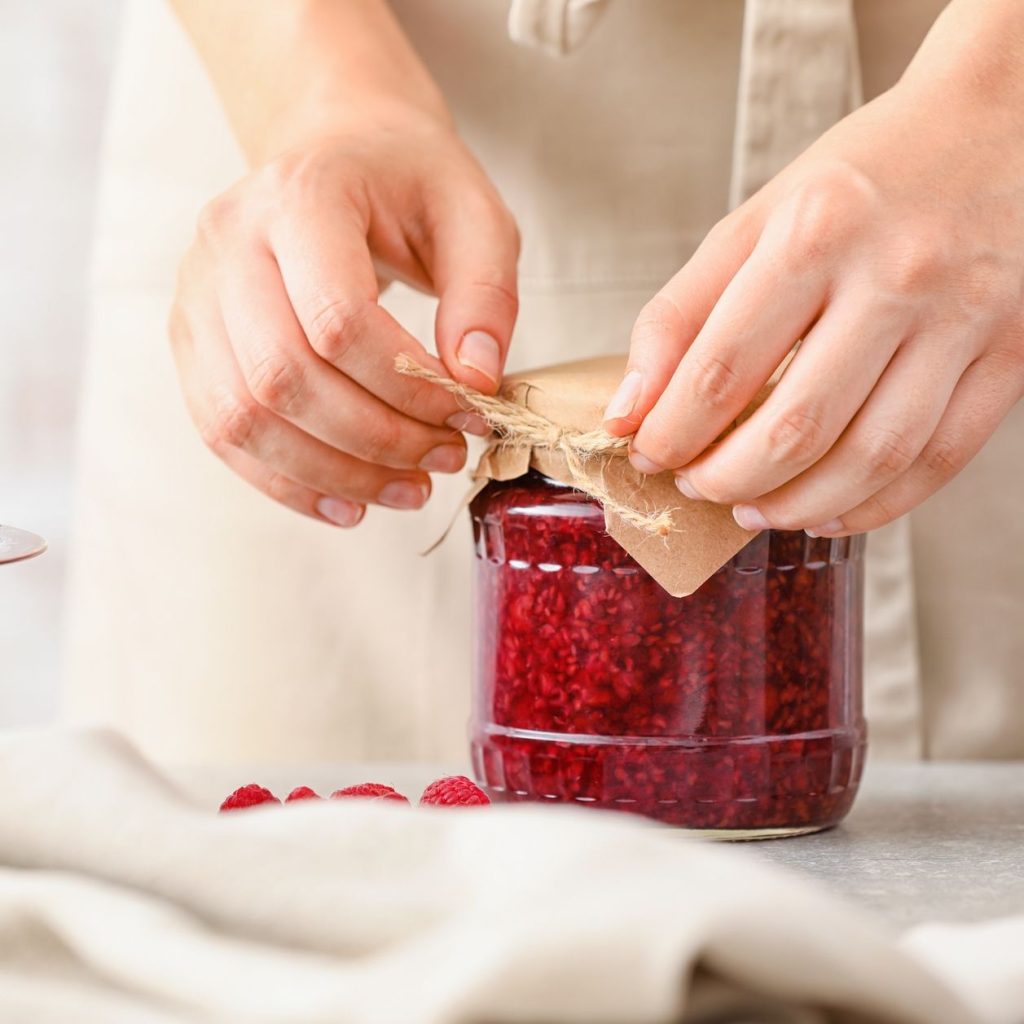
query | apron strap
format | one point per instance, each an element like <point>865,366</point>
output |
<point>799,74</point>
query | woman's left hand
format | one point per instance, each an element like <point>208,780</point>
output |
<point>894,247</point>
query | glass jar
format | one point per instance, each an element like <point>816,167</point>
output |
<point>736,710</point>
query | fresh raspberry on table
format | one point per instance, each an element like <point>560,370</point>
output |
<point>453,791</point>
<point>369,791</point>
<point>301,793</point>
<point>248,796</point>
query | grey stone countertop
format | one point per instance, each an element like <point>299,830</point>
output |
<point>925,842</point>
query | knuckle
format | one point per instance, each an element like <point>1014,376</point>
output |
<point>714,382</point>
<point>380,441</point>
<point>796,436</point>
<point>215,220</point>
<point>726,230</point>
<point>659,444</point>
<point>514,234</point>
<point>914,268</point>
<point>1007,361</point>
<point>502,221</point>
<point>825,210</point>
<point>484,206</point>
<point>736,232</point>
<point>887,453</point>
<point>496,286</point>
<point>658,318</point>
<point>276,383</point>
<point>420,399</point>
<point>941,458</point>
<point>299,181</point>
<point>278,176</point>
<point>187,275</point>
<point>869,515</point>
<point>333,329</point>
<point>294,174</point>
<point>280,488</point>
<point>808,233</point>
<point>710,483</point>
<point>178,330</point>
<point>788,519</point>
<point>234,424</point>
<point>987,289</point>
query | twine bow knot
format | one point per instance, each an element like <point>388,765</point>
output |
<point>520,427</point>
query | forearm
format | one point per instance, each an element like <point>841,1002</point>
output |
<point>289,71</point>
<point>976,48</point>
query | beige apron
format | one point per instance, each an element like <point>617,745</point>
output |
<point>209,624</point>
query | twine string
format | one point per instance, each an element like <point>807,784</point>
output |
<point>520,427</point>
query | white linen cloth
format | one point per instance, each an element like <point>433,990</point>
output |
<point>121,900</point>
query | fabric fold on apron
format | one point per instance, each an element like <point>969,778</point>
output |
<point>555,26</point>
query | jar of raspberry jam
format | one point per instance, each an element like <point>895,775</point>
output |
<point>735,711</point>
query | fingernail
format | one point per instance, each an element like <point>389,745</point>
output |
<point>480,352</point>
<point>685,487</point>
<point>445,458</point>
<point>469,422</point>
<point>832,526</point>
<point>339,511</point>
<point>402,494</point>
<point>750,518</point>
<point>643,464</point>
<point>625,398</point>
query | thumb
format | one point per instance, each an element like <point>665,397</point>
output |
<point>474,274</point>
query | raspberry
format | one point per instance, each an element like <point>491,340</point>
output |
<point>302,793</point>
<point>453,791</point>
<point>369,791</point>
<point>248,796</point>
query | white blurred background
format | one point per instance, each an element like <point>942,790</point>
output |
<point>55,62</point>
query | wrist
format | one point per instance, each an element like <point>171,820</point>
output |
<point>317,118</point>
<point>973,56</point>
<point>288,72</point>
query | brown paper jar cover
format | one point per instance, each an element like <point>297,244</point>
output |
<point>573,396</point>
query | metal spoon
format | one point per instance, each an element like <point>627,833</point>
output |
<point>16,544</point>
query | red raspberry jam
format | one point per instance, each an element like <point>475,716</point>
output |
<point>737,709</point>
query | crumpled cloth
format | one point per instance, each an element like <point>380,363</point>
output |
<point>123,901</point>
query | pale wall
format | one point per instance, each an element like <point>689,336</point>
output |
<point>55,62</point>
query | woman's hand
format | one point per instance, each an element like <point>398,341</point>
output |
<point>894,247</point>
<point>285,357</point>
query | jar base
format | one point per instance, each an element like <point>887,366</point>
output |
<point>750,835</point>
<point>715,835</point>
<point>728,789</point>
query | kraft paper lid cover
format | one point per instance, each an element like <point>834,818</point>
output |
<point>694,538</point>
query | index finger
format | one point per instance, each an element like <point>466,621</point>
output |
<point>328,273</point>
<point>761,314</point>
<point>473,265</point>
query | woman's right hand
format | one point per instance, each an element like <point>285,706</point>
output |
<point>285,357</point>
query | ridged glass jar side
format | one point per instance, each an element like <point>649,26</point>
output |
<point>735,710</point>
